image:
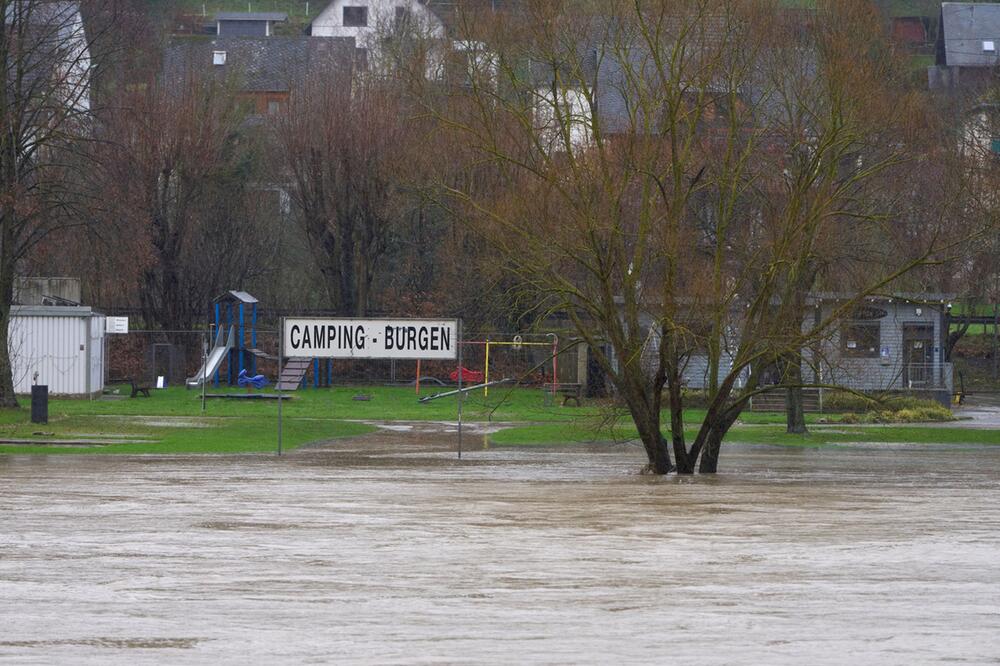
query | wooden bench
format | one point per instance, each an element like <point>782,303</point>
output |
<point>569,391</point>
<point>139,388</point>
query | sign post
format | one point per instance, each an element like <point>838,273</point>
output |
<point>461,393</point>
<point>357,338</point>
<point>112,326</point>
<point>204,362</point>
<point>281,363</point>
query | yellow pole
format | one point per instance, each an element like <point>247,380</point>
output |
<point>486,376</point>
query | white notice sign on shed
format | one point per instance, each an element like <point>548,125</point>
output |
<point>372,338</point>
<point>116,325</point>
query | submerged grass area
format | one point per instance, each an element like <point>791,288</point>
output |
<point>167,436</point>
<point>551,434</point>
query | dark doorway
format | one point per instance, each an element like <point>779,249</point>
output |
<point>918,355</point>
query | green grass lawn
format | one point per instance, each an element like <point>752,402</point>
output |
<point>294,8</point>
<point>387,402</point>
<point>171,422</point>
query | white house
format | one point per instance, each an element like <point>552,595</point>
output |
<point>367,20</point>
<point>53,31</point>
<point>563,118</point>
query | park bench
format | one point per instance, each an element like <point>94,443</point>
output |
<point>569,391</point>
<point>139,387</point>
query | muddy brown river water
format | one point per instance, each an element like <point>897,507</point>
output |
<point>385,549</point>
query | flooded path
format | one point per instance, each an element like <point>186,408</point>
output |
<point>385,549</point>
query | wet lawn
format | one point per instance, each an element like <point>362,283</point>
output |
<point>382,403</point>
<point>84,434</point>
<point>171,421</point>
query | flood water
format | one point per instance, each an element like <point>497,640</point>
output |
<point>385,549</point>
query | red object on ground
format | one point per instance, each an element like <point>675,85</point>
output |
<point>468,376</point>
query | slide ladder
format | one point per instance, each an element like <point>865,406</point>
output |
<point>292,373</point>
<point>214,360</point>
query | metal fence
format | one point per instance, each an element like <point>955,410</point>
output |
<point>927,376</point>
<point>528,359</point>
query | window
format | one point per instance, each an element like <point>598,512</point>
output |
<point>355,17</point>
<point>402,18</point>
<point>989,46</point>
<point>218,57</point>
<point>273,107</point>
<point>860,339</point>
<point>361,59</point>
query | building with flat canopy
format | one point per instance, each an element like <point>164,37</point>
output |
<point>247,24</point>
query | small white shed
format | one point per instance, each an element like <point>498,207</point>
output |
<point>64,345</point>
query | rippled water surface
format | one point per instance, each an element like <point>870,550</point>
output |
<point>386,549</point>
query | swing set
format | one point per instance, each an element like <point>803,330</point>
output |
<point>517,343</point>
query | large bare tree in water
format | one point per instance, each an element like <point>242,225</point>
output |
<point>646,183</point>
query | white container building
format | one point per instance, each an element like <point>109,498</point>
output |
<point>60,346</point>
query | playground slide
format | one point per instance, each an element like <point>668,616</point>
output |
<point>214,360</point>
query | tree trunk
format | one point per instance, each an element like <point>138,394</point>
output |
<point>656,450</point>
<point>710,454</point>
<point>795,415</point>
<point>647,422</point>
<point>791,376</point>
<point>954,336</point>
<point>713,441</point>
<point>685,464</point>
<point>7,397</point>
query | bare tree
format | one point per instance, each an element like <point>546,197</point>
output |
<point>181,169</point>
<point>344,142</point>
<point>833,157</point>
<point>638,147</point>
<point>45,123</point>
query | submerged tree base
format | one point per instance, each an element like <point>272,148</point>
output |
<point>650,470</point>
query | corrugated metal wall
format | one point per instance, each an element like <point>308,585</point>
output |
<point>97,324</point>
<point>56,347</point>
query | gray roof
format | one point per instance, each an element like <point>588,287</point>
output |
<point>928,297</point>
<point>240,296</point>
<point>965,26</point>
<point>251,16</point>
<point>615,68</point>
<point>262,64</point>
<point>448,11</point>
<point>52,311</point>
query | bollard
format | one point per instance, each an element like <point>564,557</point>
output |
<point>40,403</point>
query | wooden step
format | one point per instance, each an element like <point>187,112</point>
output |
<point>292,373</point>
<point>774,401</point>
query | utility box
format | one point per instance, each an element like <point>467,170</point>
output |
<point>61,345</point>
<point>40,403</point>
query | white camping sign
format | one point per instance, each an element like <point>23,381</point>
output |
<point>371,338</point>
<point>117,325</point>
